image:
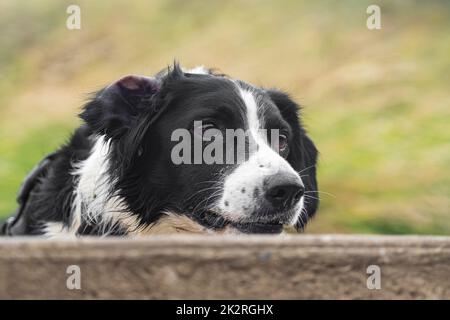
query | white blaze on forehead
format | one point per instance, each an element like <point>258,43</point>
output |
<point>251,112</point>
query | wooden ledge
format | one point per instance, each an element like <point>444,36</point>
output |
<point>227,267</point>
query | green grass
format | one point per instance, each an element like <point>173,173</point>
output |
<point>375,102</point>
<point>20,156</point>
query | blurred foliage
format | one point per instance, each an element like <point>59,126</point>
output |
<point>377,103</point>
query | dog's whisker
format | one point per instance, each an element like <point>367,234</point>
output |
<point>215,194</point>
<point>306,168</point>
<point>311,197</point>
<point>326,193</point>
<point>203,190</point>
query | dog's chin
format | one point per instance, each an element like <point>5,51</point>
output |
<point>216,221</point>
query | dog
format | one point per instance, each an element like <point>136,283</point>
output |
<point>117,175</point>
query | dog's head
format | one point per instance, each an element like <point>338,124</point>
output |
<point>218,150</point>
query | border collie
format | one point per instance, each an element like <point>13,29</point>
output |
<point>116,175</point>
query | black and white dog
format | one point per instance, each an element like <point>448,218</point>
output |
<point>117,175</point>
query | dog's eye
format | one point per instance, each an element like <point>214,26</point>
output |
<point>282,142</point>
<point>200,127</point>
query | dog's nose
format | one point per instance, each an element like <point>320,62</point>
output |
<point>283,193</point>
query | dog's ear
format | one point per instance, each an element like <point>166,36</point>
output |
<point>303,153</point>
<point>115,108</point>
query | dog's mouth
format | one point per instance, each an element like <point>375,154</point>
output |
<point>258,227</point>
<point>215,221</point>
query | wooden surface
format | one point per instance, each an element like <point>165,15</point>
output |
<point>223,267</point>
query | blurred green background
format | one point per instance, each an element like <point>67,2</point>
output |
<point>377,103</point>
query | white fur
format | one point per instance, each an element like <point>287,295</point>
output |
<point>197,70</point>
<point>93,187</point>
<point>57,230</point>
<point>93,197</point>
